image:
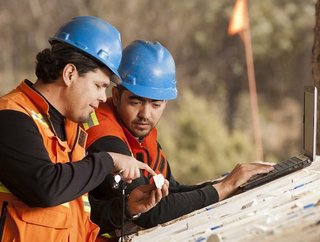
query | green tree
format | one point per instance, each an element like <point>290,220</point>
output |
<point>197,142</point>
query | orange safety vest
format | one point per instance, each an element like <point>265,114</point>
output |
<point>105,122</point>
<point>68,222</point>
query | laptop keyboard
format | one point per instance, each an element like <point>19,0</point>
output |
<point>282,168</point>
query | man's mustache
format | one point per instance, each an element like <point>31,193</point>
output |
<point>142,121</point>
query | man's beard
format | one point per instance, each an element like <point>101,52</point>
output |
<point>141,132</point>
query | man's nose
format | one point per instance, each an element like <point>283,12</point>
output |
<point>145,111</point>
<point>103,96</point>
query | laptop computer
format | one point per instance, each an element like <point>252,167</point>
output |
<point>299,161</point>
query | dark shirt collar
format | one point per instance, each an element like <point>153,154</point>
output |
<point>56,118</point>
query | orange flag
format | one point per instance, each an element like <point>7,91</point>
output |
<point>239,18</point>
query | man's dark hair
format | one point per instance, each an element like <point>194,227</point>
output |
<point>121,89</point>
<point>50,62</point>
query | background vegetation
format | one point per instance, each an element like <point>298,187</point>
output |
<point>208,128</point>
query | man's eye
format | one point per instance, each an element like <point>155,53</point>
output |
<point>135,102</point>
<point>156,105</point>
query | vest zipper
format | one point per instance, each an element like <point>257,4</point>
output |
<point>74,143</point>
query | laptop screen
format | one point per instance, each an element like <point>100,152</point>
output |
<point>310,122</point>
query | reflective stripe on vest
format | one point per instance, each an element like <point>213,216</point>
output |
<point>3,189</point>
<point>67,205</point>
<point>39,117</point>
<point>93,121</point>
<point>86,204</point>
<point>106,235</point>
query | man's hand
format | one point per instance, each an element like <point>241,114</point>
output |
<point>145,197</point>
<point>239,175</point>
<point>129,166</point>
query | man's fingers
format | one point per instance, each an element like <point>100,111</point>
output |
<point>138,174</point>
<point>130,174</point>
<point>127,175</point>
<point>263,163</point>
<point>164,192</point>
<point>135,173</point>
<point>265,169</point>
<point>253,167</point>
<point>158,195</point>
<point>144,166</point>
<point>165,188</point>
<point>152,198</point>
<point>147,188</point>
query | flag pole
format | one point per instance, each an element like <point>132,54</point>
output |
<point>253,94</point>
<point>240,24</point>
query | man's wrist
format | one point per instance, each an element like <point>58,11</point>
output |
<point>133,217</point>
<point>224,189</point>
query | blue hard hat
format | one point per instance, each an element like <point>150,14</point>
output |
<point>95,37</point>
<point>147,69</point>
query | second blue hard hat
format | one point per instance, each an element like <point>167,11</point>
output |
<point>95,37</point>
<point>147,69</point>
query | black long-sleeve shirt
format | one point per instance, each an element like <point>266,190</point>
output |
<point>106,202</point>
<point>26,169</point>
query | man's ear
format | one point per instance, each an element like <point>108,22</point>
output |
<point>69,73</point>
<point>115,96</point>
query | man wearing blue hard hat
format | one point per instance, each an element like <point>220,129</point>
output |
<point>44,172</point>
<point>126,124</point>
